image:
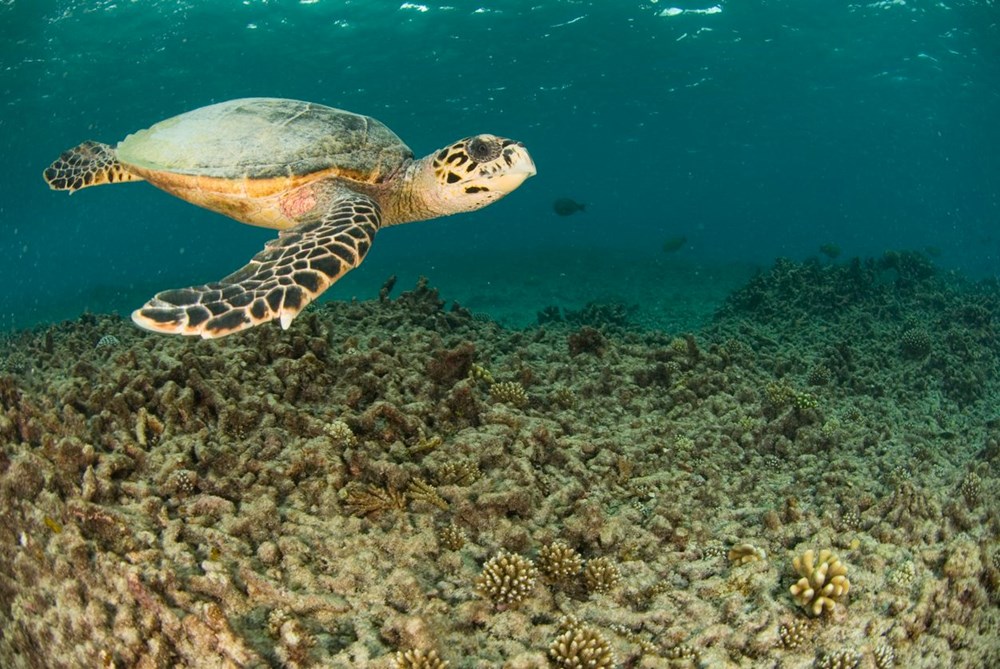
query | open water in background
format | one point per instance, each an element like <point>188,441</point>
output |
<point>756,129</point>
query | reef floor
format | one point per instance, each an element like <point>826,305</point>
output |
<point>400,475</point>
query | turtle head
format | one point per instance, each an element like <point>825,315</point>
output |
<point>475,171</point>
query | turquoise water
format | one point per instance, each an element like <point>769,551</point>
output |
<point>755,129</point>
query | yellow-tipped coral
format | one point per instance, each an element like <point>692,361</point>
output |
<point>559,561</point>
<point>507,579</point>
<point>581,647</point>
<point>418,659</point>
<point>601,575</point>
<point>822,583</point>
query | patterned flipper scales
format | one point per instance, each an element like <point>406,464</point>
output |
<point>279,282</point>
<point>90,164</point>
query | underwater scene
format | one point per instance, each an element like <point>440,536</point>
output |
<point>675,343</point>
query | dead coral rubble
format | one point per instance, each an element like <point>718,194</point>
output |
<point>329,495</point>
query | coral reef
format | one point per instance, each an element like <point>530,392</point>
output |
<point>509,392</point>
<point>558,561</point>
<point>745,553</point>
<point>507,579</point>
<point>823,583</point>
<point>601,575</point>
<point>349,493</point>
<point>418,659</point>
<point>581,647</point>
<point>841,659</point>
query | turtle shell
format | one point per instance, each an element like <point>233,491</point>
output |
<point>265,138</point>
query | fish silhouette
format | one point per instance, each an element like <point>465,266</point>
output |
<point>674,244</point>
<point>565,206</point>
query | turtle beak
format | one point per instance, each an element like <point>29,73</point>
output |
<point>516,166</point>
<point>523,162</point>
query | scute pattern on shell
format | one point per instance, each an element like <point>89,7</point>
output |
<point>289,138</point>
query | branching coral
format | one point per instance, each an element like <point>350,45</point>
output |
<point>369,499</point>
<point>745,553</point>
<point>451,537</point>
<point>507,579</point>
<point>559,561</point>
<point>581,647</point>
<point>841,659</point>
<point>601,575</point>
<point>418,659</point>
<point>509,392</point>
<point>822,584</point>
<point>794,633</point>
<point>421,491</point>
<point>340,432</point>
<point>884,655</point>
<point>462,473</point>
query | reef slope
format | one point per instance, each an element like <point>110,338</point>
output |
<point>335,495</point>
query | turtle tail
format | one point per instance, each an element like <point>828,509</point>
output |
<point>90,164</point>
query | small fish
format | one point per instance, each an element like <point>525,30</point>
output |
<point>674,244</point>
<point>564,206</point>
<point>830,250</point>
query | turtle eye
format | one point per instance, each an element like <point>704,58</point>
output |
<point>481,150</point>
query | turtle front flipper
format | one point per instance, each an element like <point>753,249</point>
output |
<point>279,282</point>
<point>90,164</point>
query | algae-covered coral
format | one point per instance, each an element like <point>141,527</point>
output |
<point>332,495</point>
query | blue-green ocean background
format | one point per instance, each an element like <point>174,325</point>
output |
<point>755,129</point>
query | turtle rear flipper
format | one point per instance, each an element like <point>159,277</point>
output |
<point>90,164</point>
<point>278,282</point>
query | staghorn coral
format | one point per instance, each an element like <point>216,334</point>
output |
<point>558,561</point>
<point>369,499</point>
<point>822,584</point>
<point>421,491</point>
<point>581,647</point>
<point>461,473</point>
<point>601,575</point>
<point>507,579</point>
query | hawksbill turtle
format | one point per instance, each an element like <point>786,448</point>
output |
<point>325,178</point>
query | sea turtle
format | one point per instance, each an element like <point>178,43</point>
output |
<point>327,179</point>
